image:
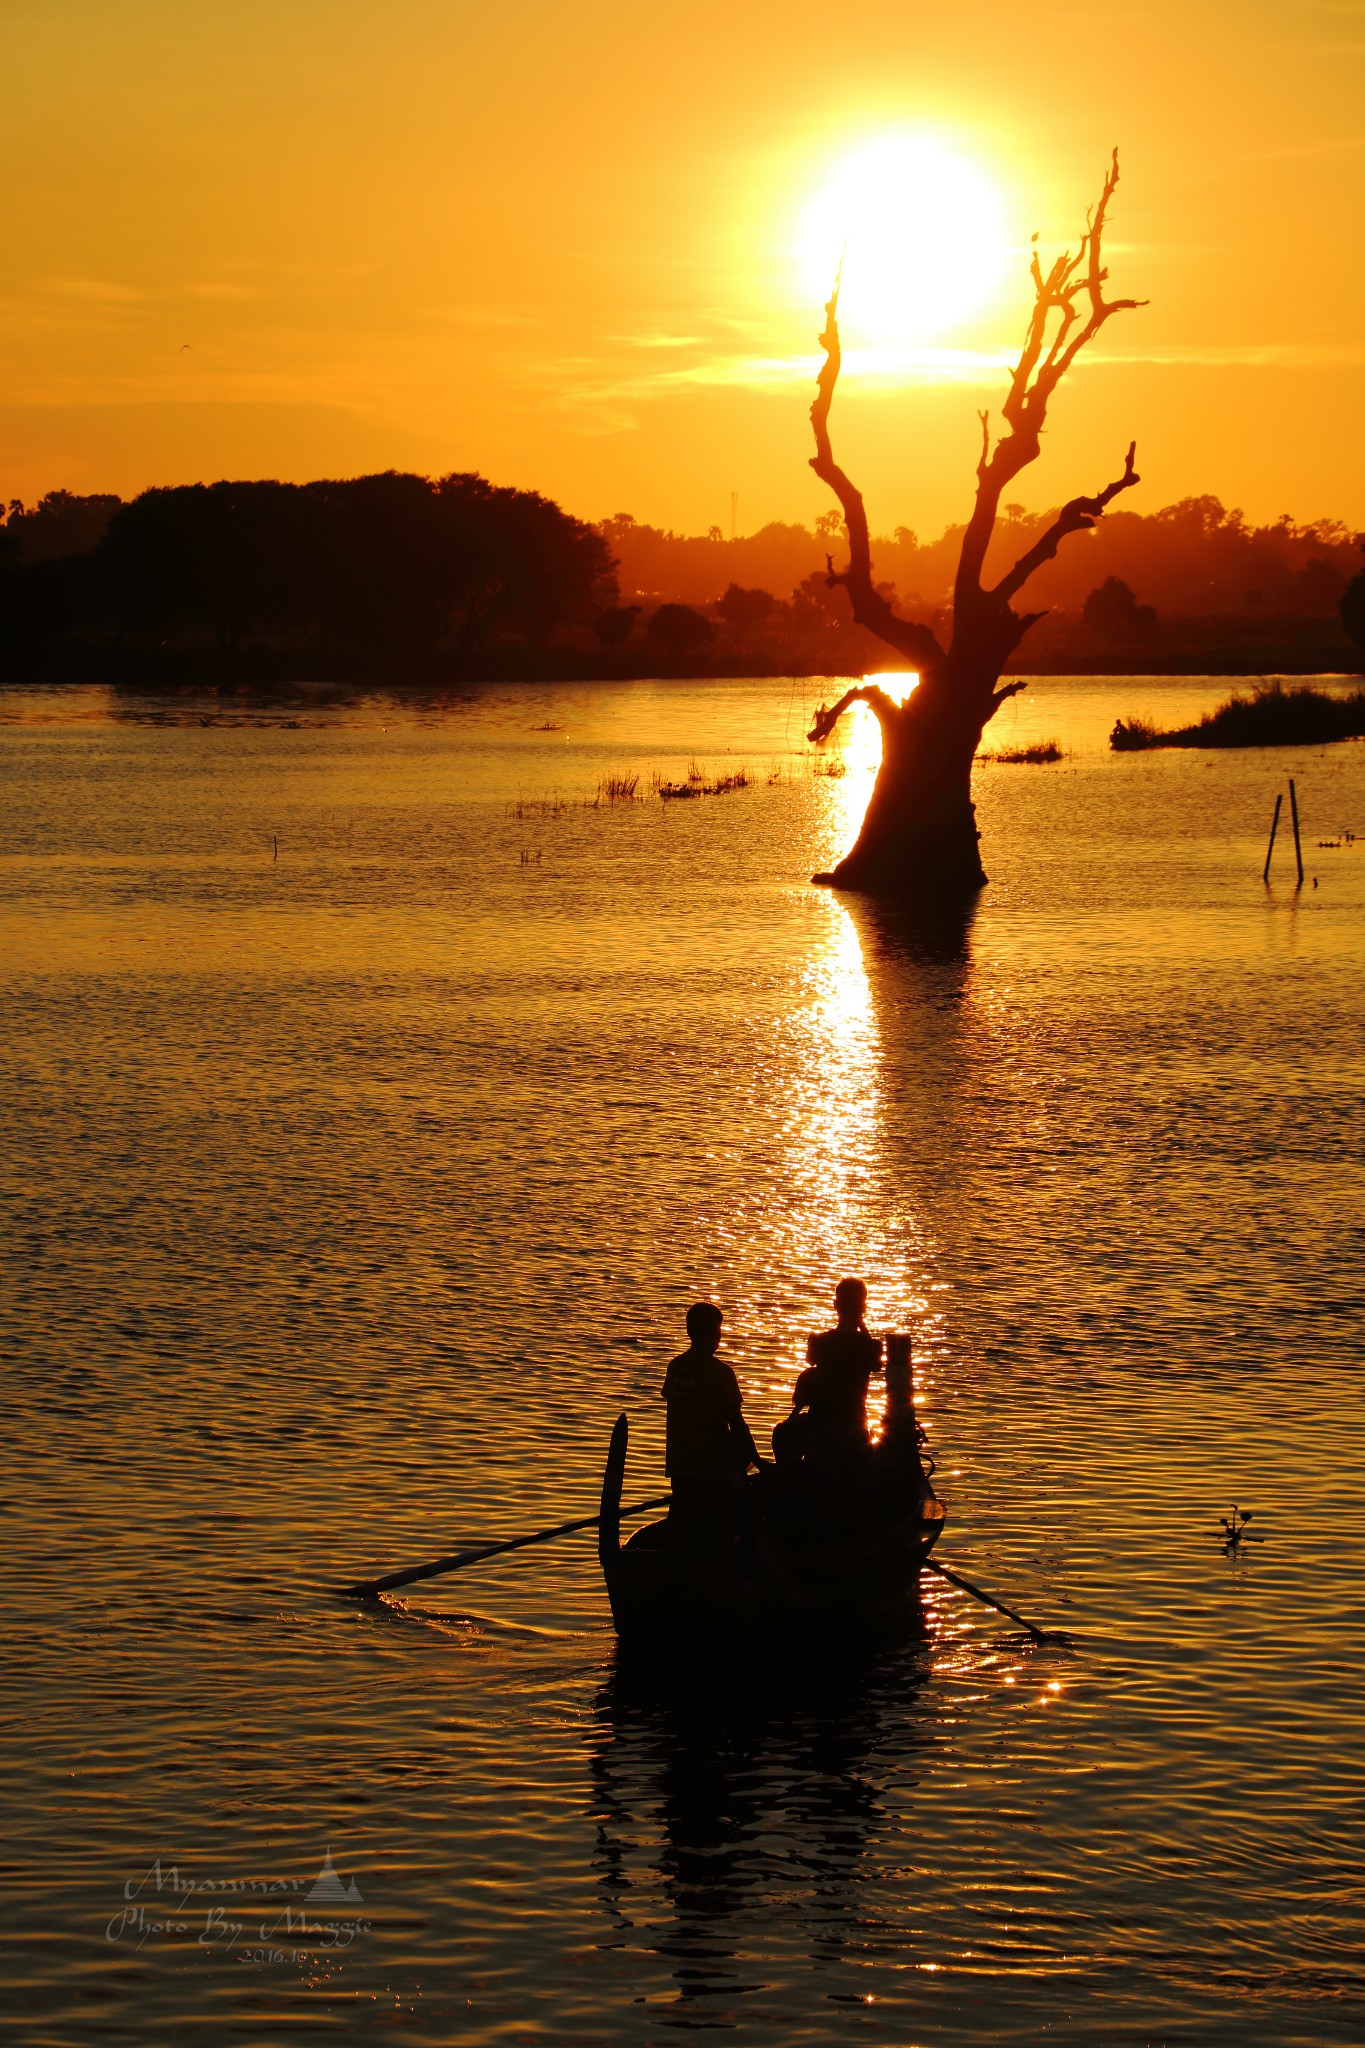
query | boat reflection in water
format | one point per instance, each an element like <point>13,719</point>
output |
<point>743,1810</point>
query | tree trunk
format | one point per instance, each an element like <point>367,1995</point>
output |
<point>918,840</point>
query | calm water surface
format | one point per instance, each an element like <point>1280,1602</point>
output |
<point>371,1119</point>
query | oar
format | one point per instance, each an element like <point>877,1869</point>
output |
<point>1039,1635</point>
<point>370,1588</point>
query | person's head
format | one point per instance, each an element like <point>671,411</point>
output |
<point>703,1325</point>
<point>850,1303</point>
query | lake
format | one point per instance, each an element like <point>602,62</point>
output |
<point>378,1099</point>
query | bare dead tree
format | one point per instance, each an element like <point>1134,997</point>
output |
<point>919,838</point>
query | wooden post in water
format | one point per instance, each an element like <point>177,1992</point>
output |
<point>1274,827</point>
<point>1294,814</point>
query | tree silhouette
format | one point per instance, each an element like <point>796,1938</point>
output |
<point>223,555</point>
<point>387,564</point>
<point>61,523</point>
<point>1112,607</point>
<point>678,628</point>
<point>529,567</point>
<point>746,611</point>
<point>919,838</point>
<point>1352,608</point>
<point>615,625</point>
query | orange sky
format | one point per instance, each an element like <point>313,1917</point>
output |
<point>555,242</point>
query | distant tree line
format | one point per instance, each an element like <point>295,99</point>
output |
<point>390,564</point>
<point>457,575</point>
<point>744,619</point>
<point>1191,559</point>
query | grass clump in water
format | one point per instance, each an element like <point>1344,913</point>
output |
<point>539,806</point>
<point>1038,755</point>
<point>1272,717</point>
<point>698,785</point>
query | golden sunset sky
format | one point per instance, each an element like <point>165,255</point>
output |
<point>580,247</point>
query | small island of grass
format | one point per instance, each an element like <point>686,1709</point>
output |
<point>1038,755</point>
<point>1273,717</point>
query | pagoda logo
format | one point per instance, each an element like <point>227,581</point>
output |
<point>329,1889</point>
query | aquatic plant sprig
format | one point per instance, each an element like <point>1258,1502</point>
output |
<point>1235,1530</point>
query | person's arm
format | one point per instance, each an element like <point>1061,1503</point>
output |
<point>805,1386</point>
<point>745,1437</point>
<point>741,1436</point>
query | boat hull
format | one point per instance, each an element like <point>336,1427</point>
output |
<point>771,1583</point>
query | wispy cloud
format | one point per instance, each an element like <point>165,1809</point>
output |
<point>1338,146</point>
<point>606,401</point>
<point>1252,355</point>
<point>898,365</point>
<point>768,373</point>
<point>103,290</point>
<point>659,340</point>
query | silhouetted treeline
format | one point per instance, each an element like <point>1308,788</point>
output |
<point>1192,559</point>
<point>459,578</point>
<point>389,565</point>
<point>1190,589</point>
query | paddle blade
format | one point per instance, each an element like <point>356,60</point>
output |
<point>609,1521</point>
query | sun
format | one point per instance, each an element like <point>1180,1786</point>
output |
<point>920,231</point>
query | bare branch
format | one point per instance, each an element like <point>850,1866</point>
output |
<point>1074,281</point>
<point>886,708</point>
<point>916,643</point>
<point>1075,517</point>
<point>1044,298</point>
<point>1096,276</point>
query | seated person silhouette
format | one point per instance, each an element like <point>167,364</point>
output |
<point>708,1447</point>
<point>827,1428</point>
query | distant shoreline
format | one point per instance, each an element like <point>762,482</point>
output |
<point>150,671</point>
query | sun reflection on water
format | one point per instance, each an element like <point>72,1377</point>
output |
<point>835,1099</point>
<point>857,755</point>
<point>839,1214</point>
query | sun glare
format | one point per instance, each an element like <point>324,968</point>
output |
<point>920,232</point>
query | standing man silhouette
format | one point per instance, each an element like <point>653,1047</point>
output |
<point>709,1446</point>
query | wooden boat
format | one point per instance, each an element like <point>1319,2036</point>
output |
<point>777,1579</point>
